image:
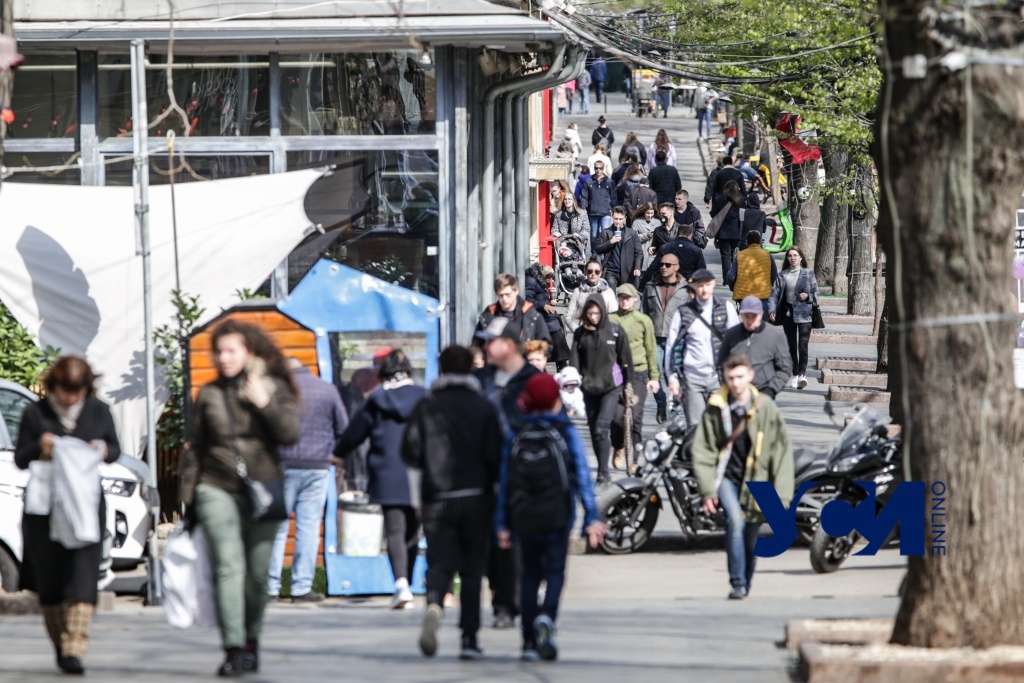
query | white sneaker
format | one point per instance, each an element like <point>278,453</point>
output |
<point>791,384</point>
<point>402,599</point>
<point>801,382</point>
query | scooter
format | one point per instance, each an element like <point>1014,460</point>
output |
<point>864,452</point>
<point>631,505</point>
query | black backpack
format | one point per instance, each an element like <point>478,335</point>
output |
<point>538,480</point>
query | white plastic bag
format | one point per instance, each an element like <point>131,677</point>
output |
<point>188,579</point>
<point>75,515</point>
<point>40,487</point>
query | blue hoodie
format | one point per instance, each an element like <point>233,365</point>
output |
<point>579,484</point>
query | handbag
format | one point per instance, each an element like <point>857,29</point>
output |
<point>817,321</point>
<point>266,498</point>
<point>716,223</point>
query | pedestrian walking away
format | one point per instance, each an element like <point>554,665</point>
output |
<point>599,74</point>
<point>664,178</point>
<point>322,421</point>
<point>543,474</point>
<point>662,297</point>
<point>763,344</point>
<point>540,289</point>
<point>600,351</point>
<point>639,329</point>
<point>705,101</point>
<point>689,256</point>
<point>593,284</point>
<point>753,272</point>
<point>64,578</point>
<point>603,135</point>
<point>741,438</point>
<point>572,135</point>
<point>639,193</point>
<point>730,233</point>
<point>621,249</point>
<point>524,320</point>
<point>503,380</point>
<point>381,421</point>
<point>633,142</point>
<point>598,199</point>
<point>662,141</point>
<point>583,86</point>
<point>455,438</point>
<point>691,349</point>
<point>794,296</point>
<point>240,421</point>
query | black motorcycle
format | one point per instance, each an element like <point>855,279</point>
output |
<point>631,505</point>
<point>863,453</point>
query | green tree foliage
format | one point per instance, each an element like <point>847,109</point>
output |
<point>21,360</point>
<point>170,341</point>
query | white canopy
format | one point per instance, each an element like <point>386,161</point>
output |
<point>71,275</point>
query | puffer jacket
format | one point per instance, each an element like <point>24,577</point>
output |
<point>537,295</point>
<point>807,283</point>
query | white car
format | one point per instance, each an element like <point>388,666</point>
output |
<point>130,500</point>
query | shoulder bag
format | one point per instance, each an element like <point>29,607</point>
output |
<point>266,498</point>
<point>716,223</point>
<point>817,321</point>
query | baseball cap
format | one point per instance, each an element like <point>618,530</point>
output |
<point>701,275</point>
<point>627,290</point>
<point>498,327</point>
<point>751,304</point>
<point>541,393</point>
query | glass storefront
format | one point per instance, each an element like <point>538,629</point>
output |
<point>379,211</point>
<point>190,168</point>
<point>45,101</point>
<point>384,93</point>
<point>222,96</point>
<point>54,168</point>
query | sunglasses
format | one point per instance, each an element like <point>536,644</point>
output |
<point>669,265</point>
<point>591,271</point>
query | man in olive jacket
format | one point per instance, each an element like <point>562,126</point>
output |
<point>741,438</point>
<point>643,345</point>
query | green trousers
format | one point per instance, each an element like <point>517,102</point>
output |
<point>240,549</point>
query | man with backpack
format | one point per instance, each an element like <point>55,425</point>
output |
<point>523,319</point>
<point>455,438</point>
<point>691,350</point>
<point>543,473</point>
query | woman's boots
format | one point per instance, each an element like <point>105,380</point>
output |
<point>68,627</point>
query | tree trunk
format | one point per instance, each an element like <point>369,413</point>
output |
<point>879,294</point>
<point>948,147</point>
<point>883,345</point>
<point>861,294</point>
<point>841,278</point>
<point>833,213</point>
<point>806,213</point>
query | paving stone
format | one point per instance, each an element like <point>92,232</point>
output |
<point>878,663</point>
<point>826,337</point>
<point>837,392</point>
<point>846,363</point>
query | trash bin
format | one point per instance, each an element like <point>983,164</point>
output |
<point>361,525</point>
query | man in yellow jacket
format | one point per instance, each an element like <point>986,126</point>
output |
<point>741,438</point>
<point>753,272</point>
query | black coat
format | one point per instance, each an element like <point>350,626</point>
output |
<point>732,229</point>
<point>382,420</point>
<point>524,319</point>
<point>54,572</point>
<point>455,438</point>
<point>595,353</point>
<point>598,196</point>
<point>506,399</point>
<point>665,182</point>
<point>537,295</point>
<point>724,175</point>
<point>631,251</point>
<point>691,259</point>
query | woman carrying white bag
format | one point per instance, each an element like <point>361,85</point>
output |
<point>64,578</point>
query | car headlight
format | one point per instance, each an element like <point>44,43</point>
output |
<point>119,487</point>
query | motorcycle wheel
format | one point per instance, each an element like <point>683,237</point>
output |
<point>617,507</point>
<point>828,553</point>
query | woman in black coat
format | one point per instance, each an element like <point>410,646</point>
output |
<point>537,294</point>
<point>65,579</point>
<point>732,232</point>
<point>382,420</point>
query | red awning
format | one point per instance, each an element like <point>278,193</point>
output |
<point>799,150</point>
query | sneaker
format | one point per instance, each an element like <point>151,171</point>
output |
<point>428,632</point>
<point>801,382</point>
<point>402,599</point>
<point>603,479</point>
<point>738,593</point>
<point>662,413</point>
<point>791,382</point>
<point>530,655</point>
<point>471,652</point>
<point>546,638</point>
<point>619,459</point>
<point>504,620</point>
<point>311,596</point>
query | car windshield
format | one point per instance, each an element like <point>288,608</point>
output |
<point>855,433</point>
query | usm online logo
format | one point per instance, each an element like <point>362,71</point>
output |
<point>906,507</point>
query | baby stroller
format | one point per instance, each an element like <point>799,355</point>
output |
<point>570,259</point>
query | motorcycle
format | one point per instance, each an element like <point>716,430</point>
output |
<point>864,452</point>
<point>631,505</point>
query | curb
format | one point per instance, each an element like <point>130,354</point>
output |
<point>844,319</point>
<point>847,363</point>
<point>852,378</point>
<point>845,394</point>
<point>845,631</point>
<point>824,337</point>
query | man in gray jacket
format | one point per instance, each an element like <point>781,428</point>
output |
<point>666,293</point>
<point>765,345</point>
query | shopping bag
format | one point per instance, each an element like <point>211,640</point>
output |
<point>40,487</point>
<point>75,515</point>
<point>188,579</point>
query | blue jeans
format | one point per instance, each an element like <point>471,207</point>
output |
<point>597,224</point>
<point>704,119</point>
<point>661,398</point>
<point>541,558</point>
<point>599,86</point>
<point>740,536</point>
<point>584,100</point>
<point>305,493</point>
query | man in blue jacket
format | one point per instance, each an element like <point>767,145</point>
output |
<point>542,511</point>
<point>597,199</point>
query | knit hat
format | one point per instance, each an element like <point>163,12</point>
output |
<point>540,394</point>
